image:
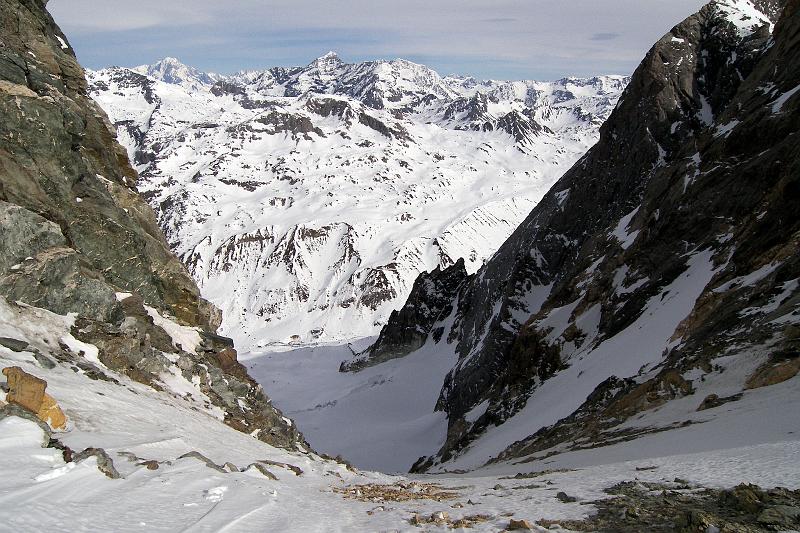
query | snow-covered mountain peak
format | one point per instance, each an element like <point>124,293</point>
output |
<point>329,56</point>
<point>306,200</point>
<point>171,70</point>
<point>327,64</point>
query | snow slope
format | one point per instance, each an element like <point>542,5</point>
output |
<point>134,423</point>
<point>381,418</point>
<point>306,201</point>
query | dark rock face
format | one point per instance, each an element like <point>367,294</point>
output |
<point>294,124</point>
<point>699,159</point>
<point>407,329</point>
<point>75,232</point>
<point>522,128</point>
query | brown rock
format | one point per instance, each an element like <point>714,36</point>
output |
<point>230,364</point>
<point>713,400</point>
<point>28,391</point>
<point>50,413</point>
<point>227,358</point>
<point>773,373</point>
<point>24,389</point>
<point>517,525</point>
<point>150,465</point>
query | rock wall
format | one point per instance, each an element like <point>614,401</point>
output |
<point>75,233</point>
<point>693,179</point>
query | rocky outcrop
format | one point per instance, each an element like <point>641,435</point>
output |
<point>679,507</point>
<point>407,330</point>
<point>77,237</point>
<point>677,223</point>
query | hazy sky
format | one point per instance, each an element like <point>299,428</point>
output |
<point>502,39</point>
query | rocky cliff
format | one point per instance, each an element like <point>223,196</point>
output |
<point>79,241</point>
<point>664,264</point>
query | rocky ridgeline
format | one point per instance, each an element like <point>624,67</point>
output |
<point>78,240</point>
<point>681,218</point>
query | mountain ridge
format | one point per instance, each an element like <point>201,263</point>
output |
<point>396,136</point>
<point>587,287</point>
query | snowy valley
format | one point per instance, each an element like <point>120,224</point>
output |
<point>365,297</point>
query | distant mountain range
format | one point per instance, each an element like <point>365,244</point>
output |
<point>305,201</point>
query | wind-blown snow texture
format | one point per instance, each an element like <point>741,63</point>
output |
<point>306,201</point>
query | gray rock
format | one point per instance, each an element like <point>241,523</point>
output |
<point>263,470</point>
<point>24,234</point>
<point>564,497</point>
<point>104,463</point>
<point>43,360</point>
<point>75,230</point>
<point>780,516</point>
<point>11,409</point>
<point>205,460</point>
<point>13,344</point>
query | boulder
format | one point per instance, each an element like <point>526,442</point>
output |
<point>50,413</point>
<point>14,345</point>
<point>773,373</point>
<point>24,389</point>
<point>564,497</point>
<point>28,392</point>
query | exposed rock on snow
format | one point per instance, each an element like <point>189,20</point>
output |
<point>28,392</point>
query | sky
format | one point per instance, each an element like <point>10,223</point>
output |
<point>497,39</point>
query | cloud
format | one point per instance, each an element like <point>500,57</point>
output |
<point>499,39</point>
<point>604,36</point>
<point>500,20</point>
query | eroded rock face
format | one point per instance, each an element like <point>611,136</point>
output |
<point>431,297</point>
<point>76,234</point>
